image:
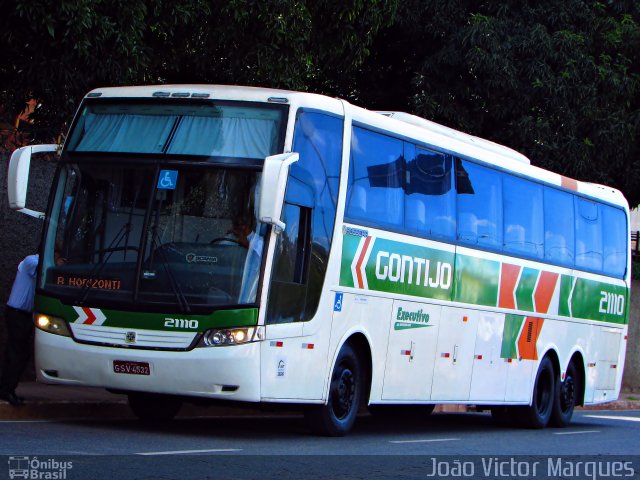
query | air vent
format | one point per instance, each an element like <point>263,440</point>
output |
<point>529,331</point>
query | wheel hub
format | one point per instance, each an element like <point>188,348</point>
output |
<point>345,392</point>
<point>567,394</point>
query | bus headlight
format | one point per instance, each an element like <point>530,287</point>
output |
<point>50,324</point>
<point>221,337</point>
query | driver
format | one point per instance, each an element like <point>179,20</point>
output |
<point>241,230</point>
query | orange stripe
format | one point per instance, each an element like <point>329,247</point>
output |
<point>529,338</point>
<point>508,281</point>
<point>569,183</point>
<point>363,254</point>
<point>544,291</point>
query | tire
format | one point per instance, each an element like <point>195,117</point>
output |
<point>337,417</point>
<point>538,414</point>
<point>565,398</point>
<point>153,408</point>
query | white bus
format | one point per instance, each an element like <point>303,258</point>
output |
<point>257,245</point>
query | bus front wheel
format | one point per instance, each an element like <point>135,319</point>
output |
<point>336,418</point>
<point>150,407</point>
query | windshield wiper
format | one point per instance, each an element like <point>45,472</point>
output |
<point>175,286</point>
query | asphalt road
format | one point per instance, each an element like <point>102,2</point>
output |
<point>281,447</point>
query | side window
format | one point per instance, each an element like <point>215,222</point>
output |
<point>588,235</point>
<point>559,225</point>
<point>310,213</point>
<point>430,202</point>
<point>289,290</point>
<point>479,203</point>
<point>376,179</point>
<point>523,223</point>
<point>292,247</point>
<point>614,222</point>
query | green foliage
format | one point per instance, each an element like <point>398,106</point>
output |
<point>57,50</point>
<point>558,81</point>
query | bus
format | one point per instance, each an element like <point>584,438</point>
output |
<point>226,243</point>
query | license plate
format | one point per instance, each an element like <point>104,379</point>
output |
<point>131,368</point>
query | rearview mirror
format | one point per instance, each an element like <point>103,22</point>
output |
<point>18,177</point>
<point>272,188</point>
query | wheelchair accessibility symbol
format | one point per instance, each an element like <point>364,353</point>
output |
<point>337,304</point>
<point>167,179</point>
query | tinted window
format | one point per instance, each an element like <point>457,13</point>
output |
<point>288,295</point>
<point>523,222</point>
<point>479,205</point>
<point>429,208</point>
<point>375,192</point>
<point>614,223</point>
<point>558,227</point>
<point>313,183</point>
<point>588,235</point>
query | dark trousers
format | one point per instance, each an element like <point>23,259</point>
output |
<point>18,350</point>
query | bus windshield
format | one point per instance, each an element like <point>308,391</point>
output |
<point>181,237</point>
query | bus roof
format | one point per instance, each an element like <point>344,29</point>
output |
<point>404,124</point>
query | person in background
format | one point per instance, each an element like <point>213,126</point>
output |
<point>19,321</point>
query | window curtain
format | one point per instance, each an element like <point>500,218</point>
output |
<point>125,133</point>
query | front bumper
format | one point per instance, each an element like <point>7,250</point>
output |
<point>229,373</point>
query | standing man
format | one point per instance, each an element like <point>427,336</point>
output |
<point>19,321</point>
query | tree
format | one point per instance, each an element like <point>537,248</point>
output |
<point>558,81</point>
<point>55,51</point>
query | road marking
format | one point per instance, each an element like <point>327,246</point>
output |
<point>576,433</point>
<point>614,417</point>
<point>426,440</point>
<point>184,452</point>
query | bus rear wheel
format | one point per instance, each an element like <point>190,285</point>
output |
<point>337,417</point>
<point>152,407</point>
<point>538,414</point>
<point>566,396</point>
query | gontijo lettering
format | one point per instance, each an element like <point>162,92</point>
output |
<point>401,268</point>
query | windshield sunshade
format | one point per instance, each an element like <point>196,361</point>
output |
<point>224,130</point>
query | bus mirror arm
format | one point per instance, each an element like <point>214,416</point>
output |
<point>18,177</point>
<point>272,188</point>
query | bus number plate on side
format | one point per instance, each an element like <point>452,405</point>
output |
<point>131,368</point>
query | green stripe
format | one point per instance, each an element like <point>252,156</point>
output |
<point>512,326</point>
<point>242,317</point>
<point>476,281</point>
<point>595,300</point>
<point>566,282</point>
<point>526,286</point>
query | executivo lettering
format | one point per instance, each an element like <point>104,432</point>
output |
<point>408,319</point>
